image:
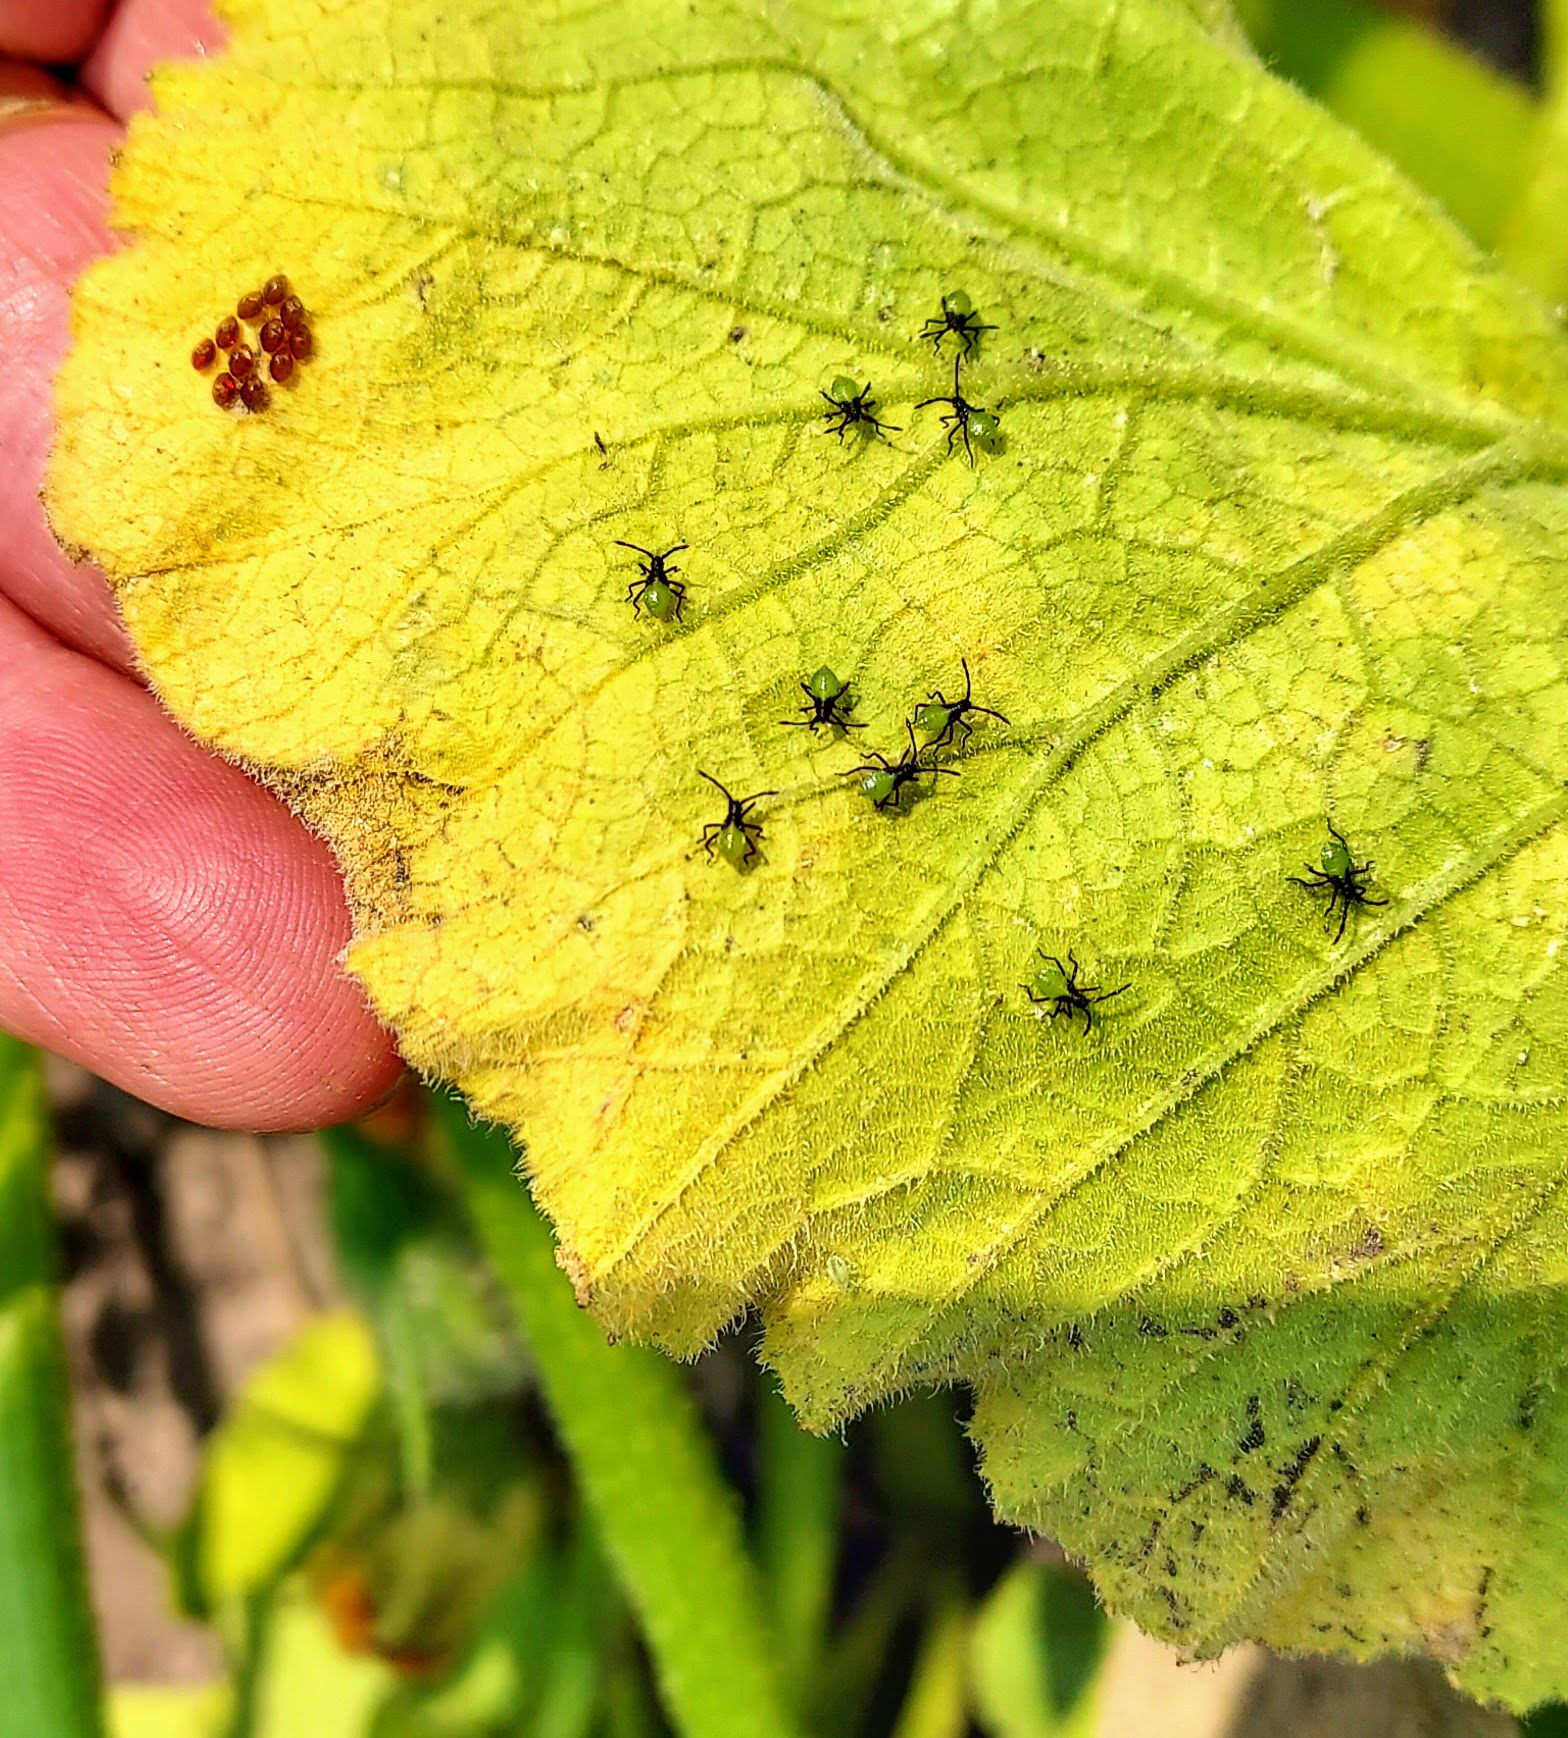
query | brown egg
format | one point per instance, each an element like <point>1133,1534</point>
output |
<point>253,395</point>
<point>291,312</point>
<point>275,289</point>
<point>225,389</point>
<point>281,366</point>
<point>228,333</point>
<point>301,342</point>
<point>273,335</point>
<point>249,305</point>
<point>204,353</point>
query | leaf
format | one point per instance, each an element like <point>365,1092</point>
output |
<point>935,1703</point>
<point>169,1711</point>
<point>277,1460</point>
<point>1456,126</point>
<point>305,1681</point>
<point>1258,1280</point>
<point>1537,254</point>
<point>1035,1654</point>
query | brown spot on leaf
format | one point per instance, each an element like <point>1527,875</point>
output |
<point>576,1270</point>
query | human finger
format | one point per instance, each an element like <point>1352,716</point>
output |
<point>163,919</point>
<point>53,32</point>
<point>24,86</point>
<point>53,169</point>
<point>139,35</point>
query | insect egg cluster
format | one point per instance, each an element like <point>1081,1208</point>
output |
<point>282,340</point>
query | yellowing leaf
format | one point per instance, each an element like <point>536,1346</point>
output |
<point>1259,1280</point>
<point>159,1711</point>
<point>275,1463</point>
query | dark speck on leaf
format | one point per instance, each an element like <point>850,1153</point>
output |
<point>1290,1476</point>
<point>1200,1478</point>
<point>1254,1439</point>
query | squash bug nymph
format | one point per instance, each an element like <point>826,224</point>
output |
<point>854,407</point>
<point>884,780</point>
<point>966,419</point>
<point>735,836</point>
<point>1055,987</point>
<point>941,719</point>
<point>957,317</point>
<point>1344,878</point>
<point>826,703</point>
<point>657,592</point>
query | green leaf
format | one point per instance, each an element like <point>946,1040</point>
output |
<point>1035,1655</point>
<point>1258,1280</point>
<point>1456,127</point>
<point>402,1247</point>
<point>48,1653</point>
<point>1532,240</point>
<point>936,1704</point>
<point>274,1464</point>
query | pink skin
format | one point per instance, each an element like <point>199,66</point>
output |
<point>163,920</point>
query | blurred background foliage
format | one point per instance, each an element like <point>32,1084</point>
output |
<point>444,1508</point>
<point>412,1522</point>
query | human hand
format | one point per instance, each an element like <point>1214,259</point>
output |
<point>163,919</point>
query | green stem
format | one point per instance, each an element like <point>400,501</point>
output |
<point>248,1639</point>
<point>48,1655</point>
<point>644,1464</point>
<point>797,1535</point>
<point>842,1690</point>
